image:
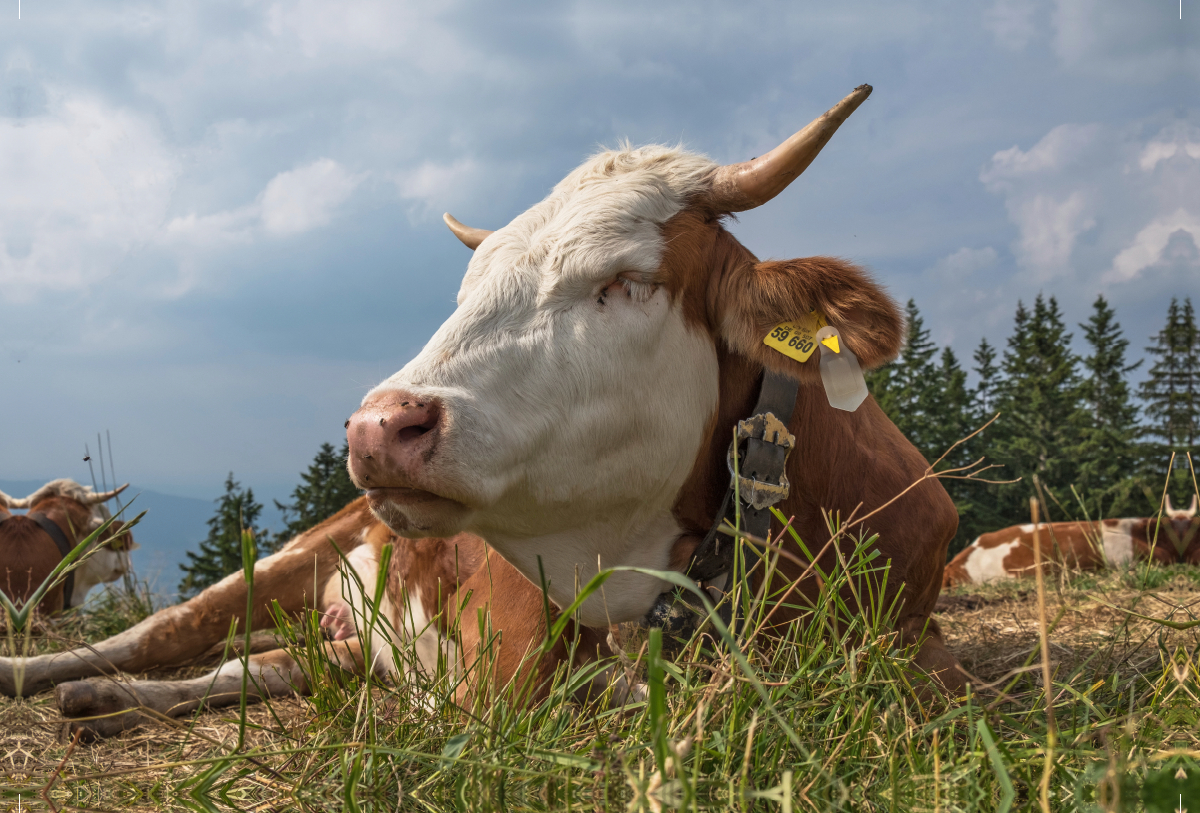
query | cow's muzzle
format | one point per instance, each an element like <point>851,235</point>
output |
<point>392,438</point>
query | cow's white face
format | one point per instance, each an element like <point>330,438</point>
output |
<point>570,396</point>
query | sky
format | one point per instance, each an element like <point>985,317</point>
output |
<point>220,222</point>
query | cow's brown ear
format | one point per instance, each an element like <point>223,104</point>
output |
<point>754,298</point>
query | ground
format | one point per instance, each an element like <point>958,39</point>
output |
<point>837,712</point>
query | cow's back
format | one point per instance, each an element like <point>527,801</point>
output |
<point>1009,552</point>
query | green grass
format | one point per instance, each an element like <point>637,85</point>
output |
<point>830,717</point>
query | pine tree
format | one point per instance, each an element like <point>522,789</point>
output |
<point>324,490</point>
<point>901,387</point>
<point>1109,452</point>
<point>983,397</point>
<point>1172,394</point>
<point>946,404</point>
<point>221,553</point>
<point>978,503</point>
<point>1041,431</point>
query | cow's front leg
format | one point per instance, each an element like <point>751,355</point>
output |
<point>176,636</point>
<point>114,706</point>
<point>503,631</point>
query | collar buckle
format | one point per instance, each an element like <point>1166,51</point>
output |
<point>762,444</point>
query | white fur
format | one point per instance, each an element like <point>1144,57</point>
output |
<point>571,425</point>
<point>987,564</point>
<point>100,567</point>
<point>1118,542</point>
<point>410,630</point>
<point>354,592</point>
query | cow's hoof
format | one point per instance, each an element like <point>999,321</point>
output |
<point>101,704</point>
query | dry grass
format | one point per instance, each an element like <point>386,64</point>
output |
<point>993,628</point>
<point>294,747</point>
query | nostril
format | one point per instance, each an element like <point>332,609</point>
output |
<point>413,432</point>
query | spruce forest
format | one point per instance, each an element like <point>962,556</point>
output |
<point>1074,427</point>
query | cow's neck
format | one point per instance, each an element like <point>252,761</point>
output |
<point>571,558</point>
<point>823,435</point>
<point>87,576</point>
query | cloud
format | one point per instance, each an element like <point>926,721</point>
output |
<point>292,202</point>
<point>1111,39</point>
<point>1012,22</point>
<point>84,183</point>
<point>432,185</point>
<point>1134,191</point>
<point>1179,230</point>
<point>964,263</point>
<point>305,198</point>
<point>1121,40</point>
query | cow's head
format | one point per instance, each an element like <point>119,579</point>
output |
<point>1181,524</point>
<point>561,407</point>
<point>79,510</point>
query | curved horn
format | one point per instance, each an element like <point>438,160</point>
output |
<point>738,187</point>
<point>471,238</point>
<point>104,496</point>
<point>13,502</point>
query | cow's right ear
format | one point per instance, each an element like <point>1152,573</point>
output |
<point>754,298</point>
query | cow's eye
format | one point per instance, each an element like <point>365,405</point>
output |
<point>635,290</point>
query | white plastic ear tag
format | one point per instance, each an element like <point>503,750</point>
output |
<point>845,386</point>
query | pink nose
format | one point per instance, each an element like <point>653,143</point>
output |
<point>391,436</point>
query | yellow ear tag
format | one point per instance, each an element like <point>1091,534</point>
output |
<point>832,343</point>
<point>797,339</point>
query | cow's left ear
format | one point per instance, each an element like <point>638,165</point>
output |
<point>754,298</point>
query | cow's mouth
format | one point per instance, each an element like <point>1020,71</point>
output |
<point>415,512</point>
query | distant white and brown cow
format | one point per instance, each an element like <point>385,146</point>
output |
<point>61,514</point>
<point>1009,553</point>
<point>575,411</point>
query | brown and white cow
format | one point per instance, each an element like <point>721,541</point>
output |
<point>576,408</point>
<point>424,579</point>
<point>1009,553</point>
<point>61,514</point>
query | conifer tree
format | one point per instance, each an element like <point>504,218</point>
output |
<point>324,490</point>
<point>946,404</point>
<point>983,397</point>
<point>901,388</point>
<point>978,503</point>
<point>1109,451</point>
<point>221,553</point>
<point>1172,394</point>
<point>1042,427</point>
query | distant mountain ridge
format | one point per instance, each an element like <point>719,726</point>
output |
<point>172,526</point>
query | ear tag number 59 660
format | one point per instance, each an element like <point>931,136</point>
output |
<point>797,339</point>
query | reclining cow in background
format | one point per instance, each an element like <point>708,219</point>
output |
<point>61,514</point>
<point>1008,553</point>
<point>575,411</point>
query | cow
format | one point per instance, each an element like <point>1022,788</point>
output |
<point>61,514</point>
<point>1008,553</point>
<point>576,408</point>
<point>308,573</point>
<point>575,411</point>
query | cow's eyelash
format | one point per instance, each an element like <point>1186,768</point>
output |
<point>636,290</point>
